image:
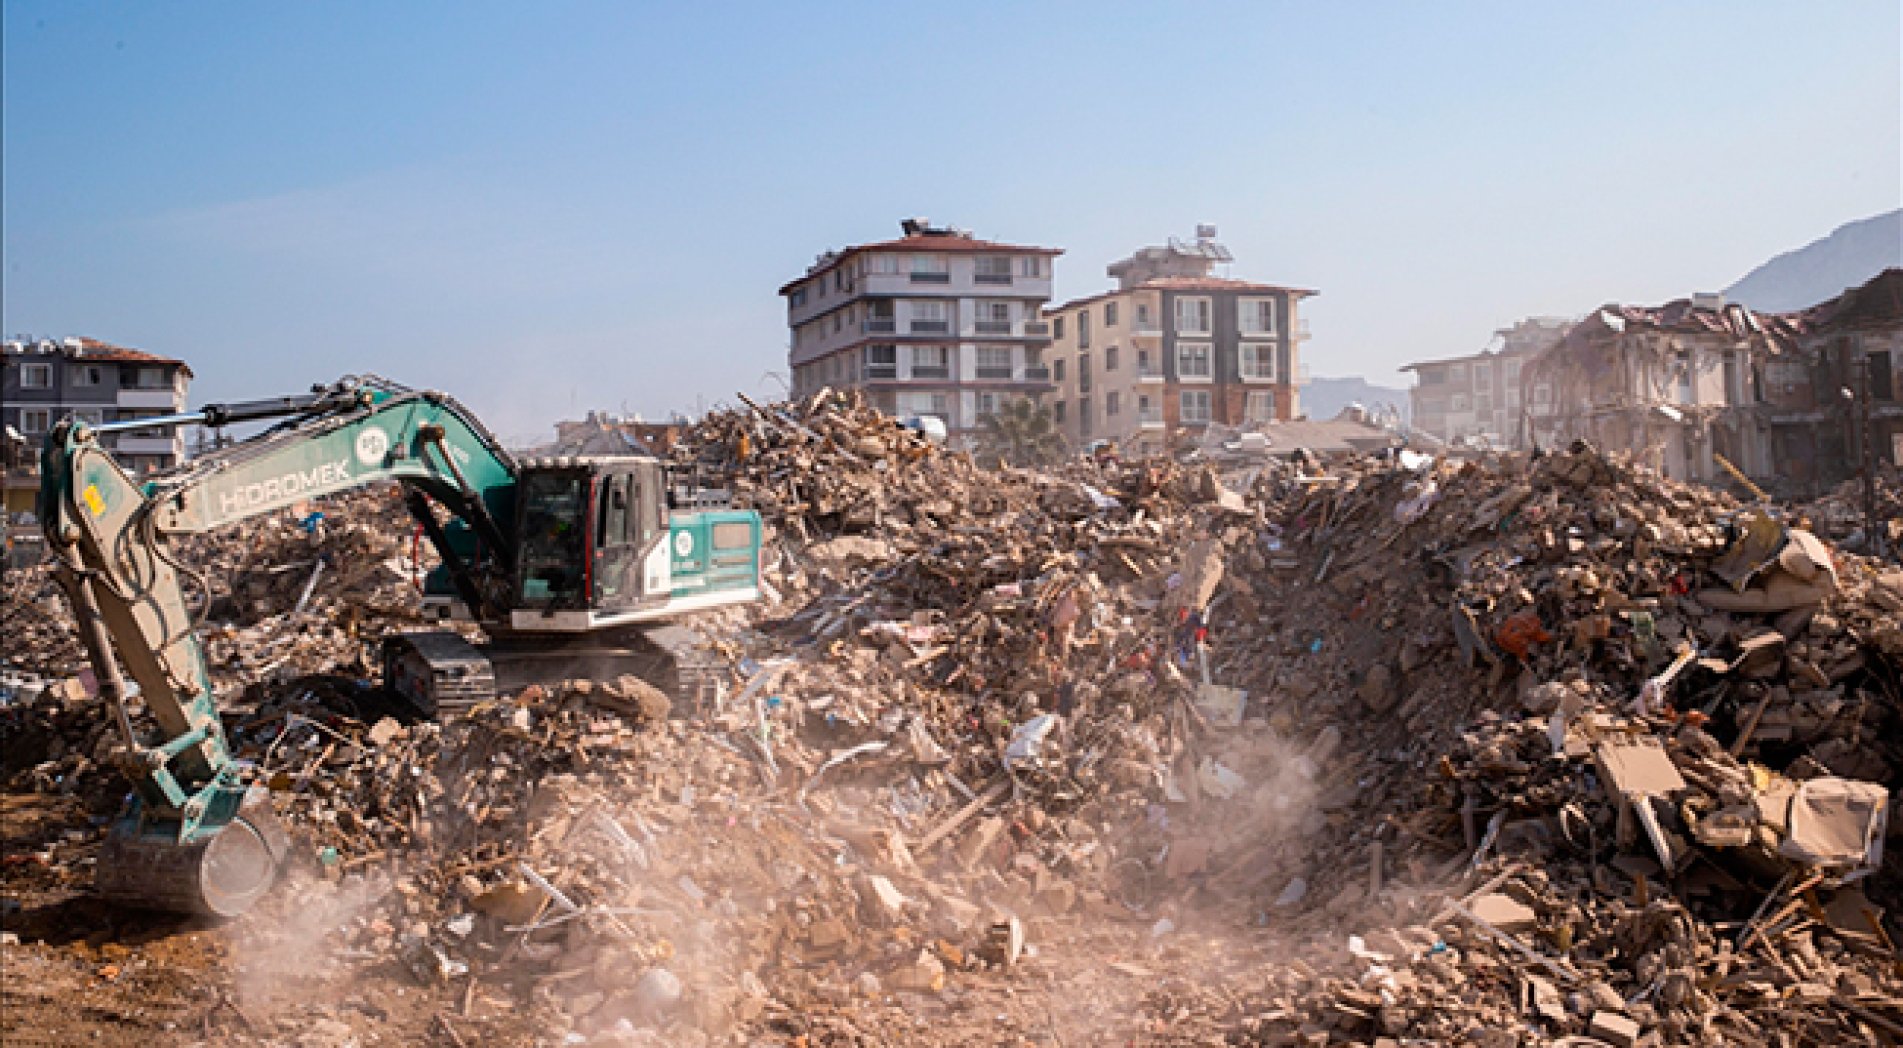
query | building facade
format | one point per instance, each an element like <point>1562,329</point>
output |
<point>1174,349</point>
<point>1478,397</point>
<point>47,379</point>
<point>935,323</point>
<point>1797,401</point>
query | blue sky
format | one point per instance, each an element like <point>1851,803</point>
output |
<point>548,207</point>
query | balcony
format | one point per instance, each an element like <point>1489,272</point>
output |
<point>1150,419</point>
<point>879,326</point>
<point>881,372</point>
<point>929,327</point>
<point>166,398</point>
<point>1037,329</point>
<point>931,278</point>
<point>931,371</point>
<point>991,278</point>
<point>992,371</point>
<point>1036,373</point>
<point>991,327</point>
<point>1149,374</point>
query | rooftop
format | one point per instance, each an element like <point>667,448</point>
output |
<point>89,349</point>
<point>920,235</point>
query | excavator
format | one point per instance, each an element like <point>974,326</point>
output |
<point>569,564</point>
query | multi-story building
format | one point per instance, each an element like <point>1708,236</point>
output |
<point>936,323</point>
<point>1477,396</point>
<point>1175,348</point>
<point>48,379</point>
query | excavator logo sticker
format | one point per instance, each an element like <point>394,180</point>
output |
<point>93,501</point>
<point>372,445</point>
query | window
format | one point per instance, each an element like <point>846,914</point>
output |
<point>1882,378</point>
<point>1192,316</point>
<point>1458,402</point>
<point>1057,327</point>
<point>1483,378</point>
<point>930,269</point>
<point>1143,316</point>
<point>928,316</point>
<point>992,269</point>
<point>90,416</point>
<point>143,378</point>
<point>993,362</point>
<point>993,318</point>
<point>1259,407</point>
<point>1433,376</point>
<point>86,375</point>
<point>1057,369</point>
<point>1109,314</point>
<point>1083,373</point>
<point>1058,411</point>
<point>882,362</point>
<point>885,264</point>
<point>1110,358</point>
<point>1031,266</point>
<point>1192,360</point>
<point>1256,316</point>
<point>1112,402</point>
<point>36,376</point>
<point>930,362</point>
<point>1083,329</point>
<point>1195,405</point>
<point>988,403</point>
<point>1144,367</point>
<point>839,321</point>
<point>1258,361</point>
<point>1457,374</point>
<point>35,420</point>
<point>1513,372</point>
<point>1146,410</point>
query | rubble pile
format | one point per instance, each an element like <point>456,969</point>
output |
<point>1840,515</point>
<point>1505,751</point>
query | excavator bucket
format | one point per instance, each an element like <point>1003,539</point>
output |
<point>221,875</point>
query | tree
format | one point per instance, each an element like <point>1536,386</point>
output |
<point>1021,432</point>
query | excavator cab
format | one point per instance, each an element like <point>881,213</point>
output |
<point>612,540</point>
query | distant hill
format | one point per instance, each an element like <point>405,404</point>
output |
<point>1323,398</point>
<point>1852,254</point>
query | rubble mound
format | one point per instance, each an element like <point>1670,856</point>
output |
<point>1515,751</point>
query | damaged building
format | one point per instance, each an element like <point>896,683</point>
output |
<point>1785,397</point>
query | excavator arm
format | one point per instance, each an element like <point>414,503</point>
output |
<point>110,535</point>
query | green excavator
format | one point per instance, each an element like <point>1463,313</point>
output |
<point>568,563</point>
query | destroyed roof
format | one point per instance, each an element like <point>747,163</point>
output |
<point>1335,436</point>
<point>1878,302</point>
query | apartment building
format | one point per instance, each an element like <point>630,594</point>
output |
<point>46,380</point>
<point>1174,348</point>
<point>1477,397</point>
<point>936,322</point>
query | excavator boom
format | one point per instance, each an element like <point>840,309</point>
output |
<point>595,547</point>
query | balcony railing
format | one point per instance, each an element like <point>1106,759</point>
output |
<point>1258,374</point>
<point>992,327</point>
<point>991,278</point>
<point>1037,373</point>
<point>1149,418</point>
<point>875,372</point>
<point>931,278</point>
<point>1037,329</point>
<point>930,327</point>
<point>880,325</point>
<point>992,371</point>
<point>930,371</point>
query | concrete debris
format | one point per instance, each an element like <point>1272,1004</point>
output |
<point>1122,751</point>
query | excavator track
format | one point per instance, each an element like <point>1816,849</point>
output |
<point>443,674</point>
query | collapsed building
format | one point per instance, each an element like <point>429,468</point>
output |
<point>1796,401</point>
